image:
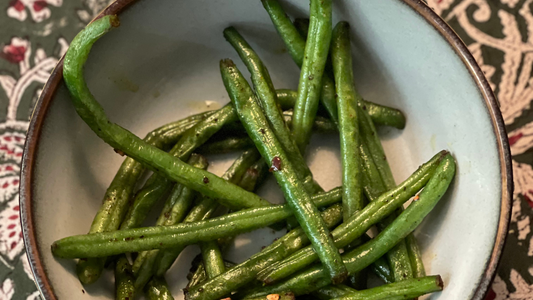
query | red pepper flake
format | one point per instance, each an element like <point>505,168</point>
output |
<point>206,180</point>
<point>276,164</point>
<point>416,197</point>
<point>120,152</point>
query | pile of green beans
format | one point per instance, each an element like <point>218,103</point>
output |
<point>325,241</point>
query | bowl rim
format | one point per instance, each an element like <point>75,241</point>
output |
<point>34,131</point>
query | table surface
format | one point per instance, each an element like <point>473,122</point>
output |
<point>35,33</point>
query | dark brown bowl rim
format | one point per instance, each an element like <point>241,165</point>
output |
<point>41,108</point>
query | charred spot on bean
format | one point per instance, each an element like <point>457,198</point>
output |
<point>120,152</point>
<point>206,180</point>
<point>364,107</point>
<point>262,130</point>
<point>311,77</point>
<point>276,164</point>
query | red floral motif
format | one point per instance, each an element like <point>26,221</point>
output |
<point>513,139</point>
<point>17,5</point>
<point>15,52</point>
<point>39,5</point>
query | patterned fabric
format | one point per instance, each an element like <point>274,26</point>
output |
<point>35,33</point>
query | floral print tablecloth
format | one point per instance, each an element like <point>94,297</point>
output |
<point>35,33</point>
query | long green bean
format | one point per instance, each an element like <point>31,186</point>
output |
<point>124,289</point>
<point>267,95</point>
<point>245,272</point>
<point>313,64</point>
<point>359,223</point>
<point>347,98</point>
<point>380,114</point>
<point>119,138</point>
<point>316,277</point>
<point>258,128</point>
<point>412,288</point>
<point>157,289</point>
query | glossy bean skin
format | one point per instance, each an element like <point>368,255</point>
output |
<point>407,289</point>
<point>316,277</point>
<point>157,289</point>
<point>244,273</point>
<point>347,99</point>
<point>359,223</point>
<point>258,129</point>
<point>267,96</point>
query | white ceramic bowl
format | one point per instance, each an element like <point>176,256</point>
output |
<point>161,64</point>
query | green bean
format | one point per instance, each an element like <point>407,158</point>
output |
<point>321,125</point>
<point>245,272</point>
<point>119,138</point>
<point>211,251</point>
<point>313,64</point>
<point>258,128</point>
<point>407,289</point>
<point>124,288</point>
<point>333,291</point>
<point>198,275</point>
<point>380,114</point>
<point>381,268</point>
<point>359,223</point>
<point>181,197</point>
<point>280,296</point>
<point>415,257</point>
<point>317,277</point>
<point>157,185</point>
<point>295,44</point>
<point>157,289</point>
<point>347,98</point>
<point>253,176</point>
<point>398,257</point>
<point>118,194</point>
<point>228,145</point>
<point>160,262</point>
<point>177,205</point>
<point>214,264</point>
<point>267,95</point>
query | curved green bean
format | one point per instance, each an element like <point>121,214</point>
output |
<point>119,138</point>
<point>313,64</point>
<point>264,89</point>
<point>257,126</point>
<point>359,223</point>
<point>244,273</point>
<point>124,289</point>
<point>408,289</point>
<point>347,98</point>
<point>157,289</point>
<point>317,277</point>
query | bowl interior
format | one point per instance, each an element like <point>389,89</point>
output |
<point>161,65</point>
